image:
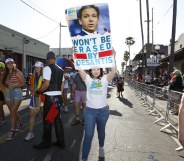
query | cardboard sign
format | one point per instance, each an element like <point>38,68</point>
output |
<point>89,28</point>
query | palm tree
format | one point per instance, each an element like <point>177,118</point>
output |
<point>129,41</point>
<point>126,57</point>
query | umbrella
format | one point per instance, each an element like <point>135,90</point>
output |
<point>64,62</point>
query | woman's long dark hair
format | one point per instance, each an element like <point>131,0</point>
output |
<point>6,72</point>
<point>99,77</point>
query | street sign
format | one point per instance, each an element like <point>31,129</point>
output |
<point>153,62</point>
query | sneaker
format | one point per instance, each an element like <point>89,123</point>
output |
<point>65,109</point>
<point>11,135</point>
<point>19,126</point>
<point>101,152</point>
<point>29,136</point>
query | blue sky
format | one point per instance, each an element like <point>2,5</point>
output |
<point>124,19</point>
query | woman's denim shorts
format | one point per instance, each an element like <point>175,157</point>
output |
<point>14,94</point>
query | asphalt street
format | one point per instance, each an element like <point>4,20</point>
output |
<point>131,135</point>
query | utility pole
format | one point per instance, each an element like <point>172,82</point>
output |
<point>171,57</point>
<point>152,31</point>
<point>142,35</point>
<point>148,43</point>
<point>60,37</point>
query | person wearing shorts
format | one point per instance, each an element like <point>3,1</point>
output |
<point>35,102</point>
<point>14,80</point>
<point>79,90</point>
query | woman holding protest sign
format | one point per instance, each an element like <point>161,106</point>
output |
<point>97,112</point>
<point>92,50</point>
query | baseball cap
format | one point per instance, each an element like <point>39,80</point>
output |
<point>38,64</point>
<point>51,55</point>
<point>2,65</point>
<point>177,72</point>
<point>9,60</point>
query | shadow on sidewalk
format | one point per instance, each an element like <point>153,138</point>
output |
<point>126,102</point>
<point>115,113</point>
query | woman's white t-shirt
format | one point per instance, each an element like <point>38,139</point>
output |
<point>96,92</point>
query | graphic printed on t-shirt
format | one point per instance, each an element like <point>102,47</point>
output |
<point>95,88</point>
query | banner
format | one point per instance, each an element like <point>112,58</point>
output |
<point>90,32</point>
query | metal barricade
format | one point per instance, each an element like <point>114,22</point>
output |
<point>160,102</point>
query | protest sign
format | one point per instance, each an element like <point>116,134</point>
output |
<point>90,32</point>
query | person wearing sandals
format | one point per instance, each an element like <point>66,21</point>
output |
<point>97,110</point>
<point>2,95</point>
<point>14,81</point>
<point>35,101</point>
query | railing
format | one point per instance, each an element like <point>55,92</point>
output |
<point>160,102</point>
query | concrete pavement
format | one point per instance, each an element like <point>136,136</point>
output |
<point>131,135</point>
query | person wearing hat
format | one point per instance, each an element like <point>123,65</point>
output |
<point>35,101</point>
<point>52,87</point>
<point>2,94</point>
<point>14,80</point>
<point>176,86</point>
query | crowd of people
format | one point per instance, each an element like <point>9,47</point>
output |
<point>176,79</point>
<point>49,87</point>
<point>55,83</point>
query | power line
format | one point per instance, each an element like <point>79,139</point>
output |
<point>39,12</point>
<point>36,6</point>
<point>48,33</point>
<point>164,15</point>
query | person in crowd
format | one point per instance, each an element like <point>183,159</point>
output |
<point>14,81</point>
<point>157,81</point>
<point>139,77</point>
<point>79,90</point>
<point>2,95</point>
<point>35,101</point>
<point>65,90</point>
<point>97,110</point>
<point>88,17</point>
<point>175,86</point>
<point>120,86</point>
<point>72,76</point>
<point>52,87</point>
<point>181,122</point>
<point>148,79</point>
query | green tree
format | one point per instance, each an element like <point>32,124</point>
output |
<point>129,41</point>
<point>126,57</point>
